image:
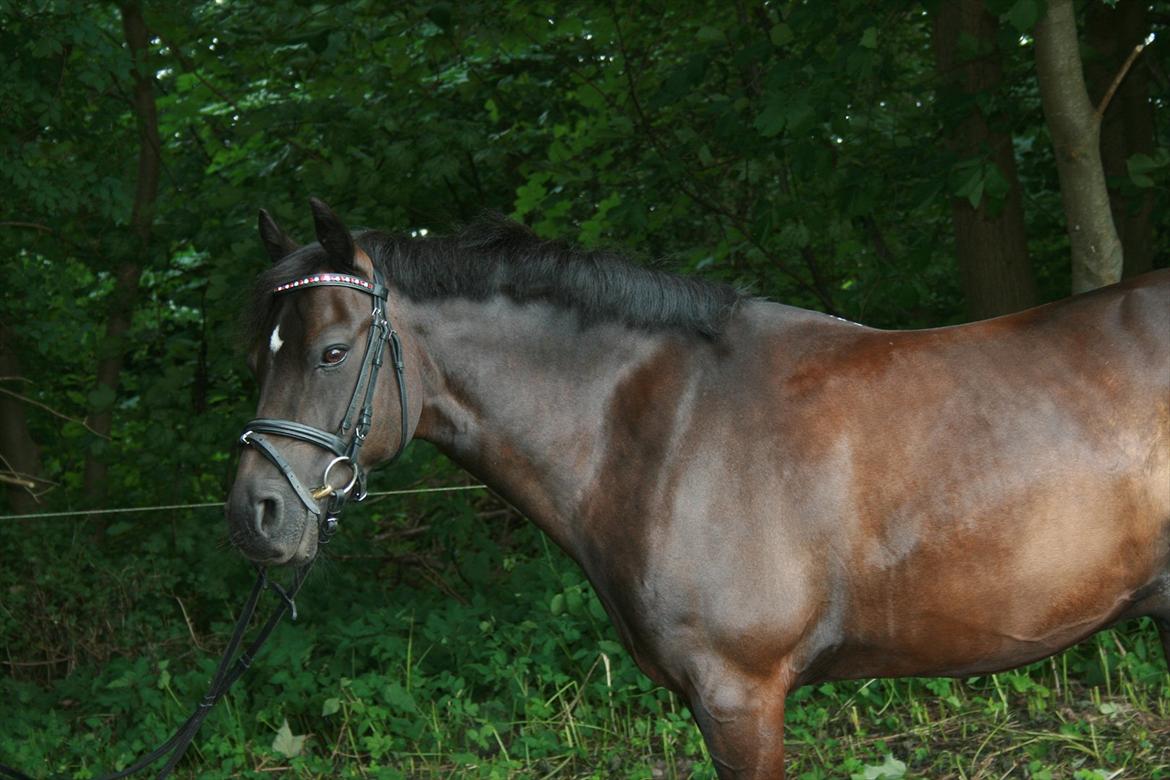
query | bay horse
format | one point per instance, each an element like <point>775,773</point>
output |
<point>763,497</point>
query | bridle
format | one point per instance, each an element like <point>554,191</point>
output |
<point>357,419</point>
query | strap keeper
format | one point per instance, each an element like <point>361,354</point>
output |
<point>292,605</point>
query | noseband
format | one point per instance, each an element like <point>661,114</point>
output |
<point>357,420</point>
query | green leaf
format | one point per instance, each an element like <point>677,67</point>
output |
<point>869,38</point>
<point>967,181</point>
<point>331,706</point>
<point>1143,163</point>
<point>557,605</point>
<point>771,120</point>
<point>709,34</point>
<point>530,195</point>
<point>286,743</point>
<point>890,769</point>
<point>592,228</point>
<point>1024,14</point>
<point>45,46</point>
<point>781,34</point>
<point>574,601</point>
<point>681,81</point>
<point>995,183</point>
<point>399,698</point>
<point>440,14</point>
<point>101,397</point>
<point>1140,166</point>
<point>798,114</point>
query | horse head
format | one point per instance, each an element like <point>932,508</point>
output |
<point>321,339</point>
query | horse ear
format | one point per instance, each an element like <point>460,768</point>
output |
<point>279,245</point>
<point>334,237</point>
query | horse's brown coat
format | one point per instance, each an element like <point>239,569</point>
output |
<point>800,499</point>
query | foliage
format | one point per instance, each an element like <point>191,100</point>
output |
<point>467,645</point>
<point>792,148</point>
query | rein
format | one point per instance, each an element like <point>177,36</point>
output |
<point>226,674</point>
<point>357,421</point>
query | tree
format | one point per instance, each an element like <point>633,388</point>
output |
<point>20,461</point>
<point>111,352</point>
<point>1127,126</point>
<point>1075,127</point>
<point>987,208</point>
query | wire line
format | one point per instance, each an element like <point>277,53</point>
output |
<point>208,504</point>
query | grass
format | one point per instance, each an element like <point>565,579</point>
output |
<point>1031,723</point>
<point>458,644</point>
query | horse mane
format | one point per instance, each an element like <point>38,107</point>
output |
<point>496,256</point>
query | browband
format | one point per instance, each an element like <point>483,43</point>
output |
<point>334,280</point>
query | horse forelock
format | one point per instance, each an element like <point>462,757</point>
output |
<point>262,302</point>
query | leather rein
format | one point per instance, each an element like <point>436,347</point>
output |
<point>356,422</point>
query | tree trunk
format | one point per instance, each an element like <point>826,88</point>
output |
<point>990,240</point>
<point>1127,127</point>
<point>111,352</point>
<point>1076,134</point>
<point>21,458</point>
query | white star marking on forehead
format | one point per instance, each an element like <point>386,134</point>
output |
<point>275,342</point>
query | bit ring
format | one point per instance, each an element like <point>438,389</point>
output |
<point>352,480</point>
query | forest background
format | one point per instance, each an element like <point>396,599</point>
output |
<point>891,163</point>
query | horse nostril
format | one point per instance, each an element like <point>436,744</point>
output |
<point>267,516</point>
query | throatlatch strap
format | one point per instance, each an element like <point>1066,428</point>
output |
<point>400,378</point>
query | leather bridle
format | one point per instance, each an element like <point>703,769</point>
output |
<point>359,413</point>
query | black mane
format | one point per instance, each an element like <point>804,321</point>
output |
<point>496,256</point>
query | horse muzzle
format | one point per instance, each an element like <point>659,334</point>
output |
<point>269,524</point>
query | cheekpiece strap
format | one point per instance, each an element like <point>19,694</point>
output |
<point>334,280</point>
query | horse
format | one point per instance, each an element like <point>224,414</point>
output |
<point>762,496</point>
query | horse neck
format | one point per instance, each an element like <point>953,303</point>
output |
<point>521,396</point>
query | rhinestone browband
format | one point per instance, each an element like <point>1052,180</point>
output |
<point>333,280</point>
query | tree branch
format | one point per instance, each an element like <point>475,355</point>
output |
<point>18,481</point>
<point>30,225</point>
<point>33,402</point>
<point>1125,66</point>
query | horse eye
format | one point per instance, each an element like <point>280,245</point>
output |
<point>333,355</point>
